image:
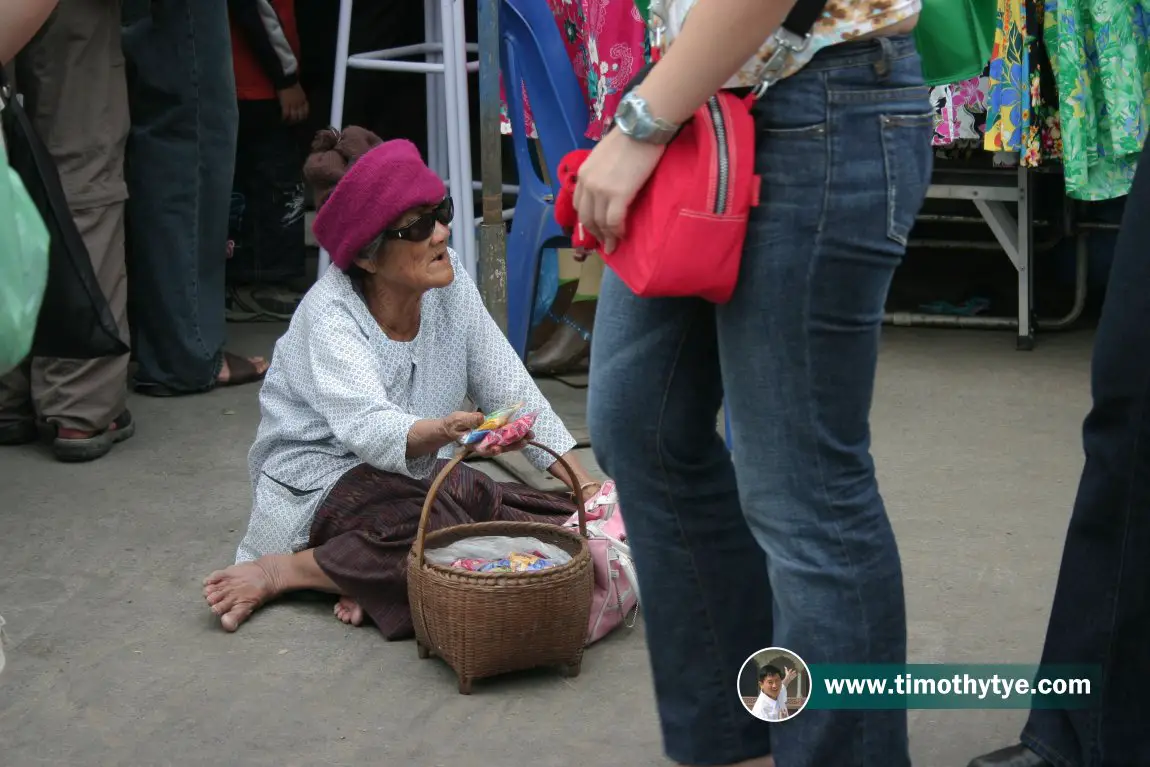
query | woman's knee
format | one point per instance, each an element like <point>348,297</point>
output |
<point>669,432</point>
<point>615,419</point>
<point>655,382</point>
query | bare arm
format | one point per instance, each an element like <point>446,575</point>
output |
<point>589,484</point>
<point>719,37</point>
<point>20,20</point>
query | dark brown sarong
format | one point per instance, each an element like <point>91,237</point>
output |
<point>363,531</point>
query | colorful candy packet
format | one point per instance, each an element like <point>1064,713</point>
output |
<point>492,421</point>
<point>514,563</point>
<point>509,434</point>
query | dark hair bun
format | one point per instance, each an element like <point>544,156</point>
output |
<point>332,153</point>
<point>325,140</point>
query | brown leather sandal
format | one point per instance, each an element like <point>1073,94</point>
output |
<point>241,371</point>
<point>96,446</point>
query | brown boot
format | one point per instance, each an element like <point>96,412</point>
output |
<point>569,349</point>
<point>546,329</point>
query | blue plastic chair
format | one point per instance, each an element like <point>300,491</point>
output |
<point>532,55</point>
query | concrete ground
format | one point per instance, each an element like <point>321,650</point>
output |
<point>113,658</point>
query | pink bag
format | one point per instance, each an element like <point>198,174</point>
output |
<point>616,587</point>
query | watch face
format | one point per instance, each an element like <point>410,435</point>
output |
<point>625,115</point>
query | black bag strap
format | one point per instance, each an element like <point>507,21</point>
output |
<point>801,20</point>
<point>792,37</point>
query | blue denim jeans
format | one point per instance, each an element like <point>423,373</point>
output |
<point>1101,611</point>
<point>784,542</point>
<point>181,154</point>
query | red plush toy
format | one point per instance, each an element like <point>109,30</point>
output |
<point>565,214</point>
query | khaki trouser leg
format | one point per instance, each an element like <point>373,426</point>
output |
<point>15,396</point>
<point>89,394</point>
<point>75,90</point>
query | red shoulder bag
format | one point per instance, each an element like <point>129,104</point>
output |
<point>686,227</point>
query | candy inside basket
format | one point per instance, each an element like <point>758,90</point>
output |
<point>498,555</point>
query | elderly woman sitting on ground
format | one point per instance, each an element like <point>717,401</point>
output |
<point>364,400</point>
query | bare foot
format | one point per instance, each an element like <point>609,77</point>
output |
<point>349,611</point>
<point>259,363</point>
<point>235,592</point>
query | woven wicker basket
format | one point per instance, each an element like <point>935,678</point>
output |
<point>486,624</point>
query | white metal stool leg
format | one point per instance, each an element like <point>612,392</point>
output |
<point>464,171</point>
<point>338,90</point>
<point>456,179</point>
<point>436,120</point>
<point>339,85</point>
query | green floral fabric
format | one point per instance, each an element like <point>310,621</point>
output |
<point>1100,53</point>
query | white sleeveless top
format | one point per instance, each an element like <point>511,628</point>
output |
<point>842,21</point>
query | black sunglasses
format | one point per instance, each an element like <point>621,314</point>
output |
<point>423,227</point>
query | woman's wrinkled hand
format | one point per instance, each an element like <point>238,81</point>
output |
<point>609,179</point>
<point>456,426</point>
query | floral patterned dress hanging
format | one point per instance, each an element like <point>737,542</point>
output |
<point>960,112</point>
<point>1100,53</point>
<point>1022,105</point>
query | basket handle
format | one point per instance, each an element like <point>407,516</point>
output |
<point>433,491</point>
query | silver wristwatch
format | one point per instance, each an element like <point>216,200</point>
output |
<point>633,118</point>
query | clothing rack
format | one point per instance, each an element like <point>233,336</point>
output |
<point>990,191</point>
<point>1025,74</point>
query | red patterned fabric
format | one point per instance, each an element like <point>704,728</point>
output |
<point>606,42</point>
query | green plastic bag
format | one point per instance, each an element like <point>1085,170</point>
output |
<point>23,266</point>
<point>955,39</point>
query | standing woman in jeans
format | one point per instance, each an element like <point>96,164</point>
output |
<point>785,541</point>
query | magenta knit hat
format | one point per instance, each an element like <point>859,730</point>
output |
<point>376,190</point>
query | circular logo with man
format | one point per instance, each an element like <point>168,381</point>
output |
<point>774,684</point>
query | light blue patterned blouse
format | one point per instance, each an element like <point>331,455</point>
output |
<point>339,393</point>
